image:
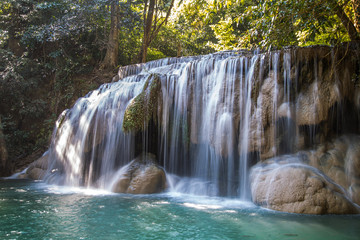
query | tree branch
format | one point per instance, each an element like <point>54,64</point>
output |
<point>156,30</point>
<point>347,23</point>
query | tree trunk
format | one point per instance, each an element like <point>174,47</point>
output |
<point>179,50</point>
<point>3,152</point>
<point>349,26</point>
<point>112,50</point>
<point>14,44</point>
<point>147,29</point>
<point>151,26</point>
<point>356,6</point>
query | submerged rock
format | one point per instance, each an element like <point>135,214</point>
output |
<point>141,176</point>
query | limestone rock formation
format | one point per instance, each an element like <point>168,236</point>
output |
<point>298,189</point>
<point>323,181</point>
<point>141,176</point>
<point>340,161</point>
<point>308,92</point>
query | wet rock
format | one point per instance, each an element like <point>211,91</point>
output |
<point>336,161</point>
<point>340,161</point>
<point>35,174</point>
<point>144,106</point>
<point>224,140</point>
<point>141,176</point>
<point>261,124</point>
<point>270,93</point>
<point>354,191</point>
<point>284,110</point>
<point>298,188</point>
<point>37,169</point>
<point>313,104</point>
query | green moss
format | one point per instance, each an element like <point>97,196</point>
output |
<point>143,107</point>
<point>61,118</point>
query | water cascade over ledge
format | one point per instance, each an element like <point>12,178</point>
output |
<point>209,120</point>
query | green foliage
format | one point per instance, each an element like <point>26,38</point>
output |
<point>289,22</point>
<point>130,43</point>
<point>166,42</point>
<point>224,33</point>
<point>3,38</point>
<point>192,24</point>
<point>60,39</point>
<point>21,103</point>
<point>227,24</point>
<point>154,54</point>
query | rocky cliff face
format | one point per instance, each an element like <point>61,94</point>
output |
<point>213,117</point>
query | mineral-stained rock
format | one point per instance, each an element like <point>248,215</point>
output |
<point>37,169</point>
<point>290,186</point>
<point>340,161</point>
<point>324,180</point>
<point>141,176</point>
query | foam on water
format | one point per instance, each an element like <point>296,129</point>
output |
<point>61,190</point>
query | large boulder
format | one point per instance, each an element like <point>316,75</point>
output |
<point>141,176</point>
<point>37,169</point>
<point>287,184</point>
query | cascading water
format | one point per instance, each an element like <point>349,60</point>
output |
<point>89,144</point>
<point>215,116</point>
<point>212,91</point>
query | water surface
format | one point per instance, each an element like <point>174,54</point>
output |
<point>34,210</point>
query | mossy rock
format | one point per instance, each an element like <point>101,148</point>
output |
<point>144,106</point>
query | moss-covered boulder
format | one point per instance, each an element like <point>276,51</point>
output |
<point>144,106</point>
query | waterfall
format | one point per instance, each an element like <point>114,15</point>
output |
<point>88,143</point>
<point>215,116</point>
